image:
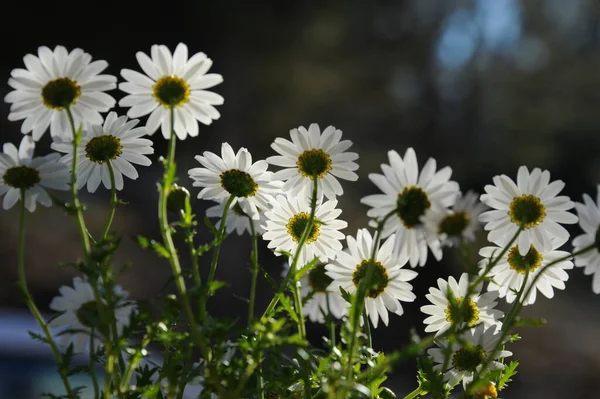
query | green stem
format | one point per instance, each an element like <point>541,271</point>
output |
<point>301,242</point>
<point>254,271</point>
<point>414,393</point>
<point>32,306</point>
<point>93,366</point>
<point>113,201</point>
<point>331,323</point>
<point>83,232</point>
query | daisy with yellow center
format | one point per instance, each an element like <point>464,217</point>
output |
<point>312,155</point>
<point>509,273</point>
<point>287,219</point>
<point>477,309</point>
<point>54,81</point>
<point>389,279</point>
<point>531,204</point>
<point>172,81</point>
<point>410,193</point>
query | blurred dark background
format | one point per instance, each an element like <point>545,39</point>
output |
<point>481,85</point>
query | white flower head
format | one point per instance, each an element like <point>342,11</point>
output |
<point>456,224</point>
<point>589,220</point>
<point>531,203</point>
<point>237,220</point>
<point>468,354</point>
<point>80,314</point>
<point>389,280</point>
<point>509,273</point>
<point>54,81</point>
<point>479,308</point>
<point>312,155</point>
<point>410,193</point>
<point>234,174</point>
<point>172,80</point>
<point>19,170</point>
<point>118,142</point>
<point>287,219</point>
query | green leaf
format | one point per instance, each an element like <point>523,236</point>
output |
<point>211,227</point>
<point>154,245</point>
<point>508,373</point>
<point>530,322</point>
<point>37,337</point>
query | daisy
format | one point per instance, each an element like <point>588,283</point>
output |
<point>117,142</point>
<point>531,203</point>
<point>409,194</point>
<point>235,174</point>
<point>388,279</point>
<point>172,80</point>
<point>316,285</point>
<point>468,354</point>
<point>479,308</point>
<point>21,171</point>
<point>312,155</point>
<point>589,220</point>
<point>458,224</point>
<point>237,220</point>
<point>287,219</point>
<point>509,273</point>
<point>80,314</point>
<point>54,82</point>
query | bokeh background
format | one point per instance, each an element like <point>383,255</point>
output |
<point>481,85</point>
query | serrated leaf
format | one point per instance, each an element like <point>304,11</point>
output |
<point>154,245</point>
<point>530,322</point>
<point>37,337</point>
<point>509,372</point>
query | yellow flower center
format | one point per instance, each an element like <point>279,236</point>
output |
<point>60,93</point>
<point>297,224</point>
<point>21,177</point>
<point>314,163</point>
<point>411,204</point>
<point>103,148</point>
<point>527,210</point>
<point>171,91</point>
<point>454,314</point>
<point>379,277</point>
<point>531,261</point>
<point>238,183</point>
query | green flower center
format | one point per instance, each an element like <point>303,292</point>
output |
<point>60,93</point>
<point>468,358</point>
<point>238,183</point>
<point>459,314</point>
<point>379,277</point>
<point>297,224</point>
<point>171,91</point>
<point>103,148</point>
<point>531,261</point>
<point>318,278</point>
<point>455,223</point>
<point>527,211</point>
<point>314,163</point>
<point>411,204</point>
<point>21,177</point>
<point>88,315</point>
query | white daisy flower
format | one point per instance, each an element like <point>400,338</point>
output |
<point>80,314</point>
<point>117,142</point>
<point>531,203</point>
<point>468,354</point>
<point>479,308</point>
<point>287,219</point>
<point>236,219</point>
<point>389,279</point>
<point>410,193</point>
<point>20,170</point>
<point>317,284</point>
<point>53,82</point>
<point>509,273</point>
<point>312,155</point>
<point>235,174</point>
<point>172,80</point>
<point>589,220</point>
<point>458,224</point>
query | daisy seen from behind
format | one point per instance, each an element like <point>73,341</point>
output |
<point>389,278</point>
<point>532,203</point>
<point>172,81</point>
<point>314,155</point>
<point>509,273</point>
<point>457,224</point>
<point>55,83</point>
<point>479,308</point>
<point>234,174</point>
<point>20,171</point>
<point>288,217</point>
<point>589,221</point>
<point>117,142</point>
<point>80,314</point>
<point>468,354</point>
<point>237,220</point>
<point>410,193</point>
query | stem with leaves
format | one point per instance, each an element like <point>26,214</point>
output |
<point>113,201</point>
